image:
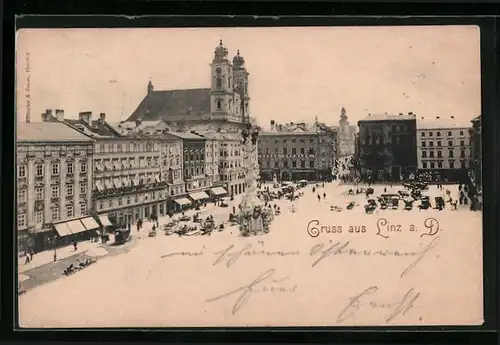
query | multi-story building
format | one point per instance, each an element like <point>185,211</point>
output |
<point>444,148</point>
<point>297,151</point>
<point>476,152</point>
<point>197,181</point>
<point>127,183</point>
<point>54,179</point>
<point>346,135</point>
<point>207,109</point>
<point>230,162</point>
<point>387,146</point>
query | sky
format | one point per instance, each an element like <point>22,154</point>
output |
<point>296,73</point>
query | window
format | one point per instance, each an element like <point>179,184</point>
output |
<point>218,83</point>
<point>462,164</point>
<point>450,153</point>
<point>39,170</point>
<point>39,217</point>
<point>311,151</point>
<point>83,187</point>
<point>440,165</point>
<point>438,134</point>
<point>69,211</point>
<point>294,164</point>
<point>430,134</point>
<point>440,154</point>
<point>452,164</point>
<point>461,132</point>
<point>120,201</point>
<point>83,166</point>
<point>69,189</point>
<point>311,164</point>
<point>294,151</point>
<point>439,143</point>
<point>449,134</point>
<point>450,142</point>
<point>55,191</point>
<point>39,193</point>
<point>129,200</point>
<point>101,205</point>
<point>432,165</point>
<point>69,168</point>
<point>55,213</point>
<point>462,153</point>
<point>21,220</point>
<point>285,164</point>
<point>83,208</point>
<point>424,165</point>
<point>302,151</point>
<point>423,143</point>
<point>424,154</point>
<point>431,144</point>
<point>21,171</point>
<point>431,154</point>
<point>55,168</point>
<point>423,134</point>
<point>462,143</point>
<point>219,104</point>
<point>21,195</point>
<point>284,151</point>
<point>302,164</point>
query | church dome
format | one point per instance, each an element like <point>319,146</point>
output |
<point>220,52</point>
<point>238,60</point>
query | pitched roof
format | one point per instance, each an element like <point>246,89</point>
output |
<point>441,123</point>
<point>49,131</point>
<point>388,117</point>
<point>187,135</point>
<point>173,105</point>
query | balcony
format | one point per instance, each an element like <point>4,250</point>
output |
<point>54,199</point>
<point>39,178</point>
<point>69,197</point>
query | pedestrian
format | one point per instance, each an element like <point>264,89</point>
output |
<point>314,190</point>
<point>75,245</point>
<point>324,195</point>
<point>138,226</point>
<point>27,261</point>
<point>319,197</point>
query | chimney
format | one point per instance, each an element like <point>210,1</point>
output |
<point>272,125</point>
<point>453,117</point>
<point>48,112</point>
<point>44,117</point>
<point>102,117</point>
<point>437,117</point>
<point>59,114</point>
<point>85,116</point>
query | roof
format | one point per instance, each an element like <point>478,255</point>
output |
<point>169,104</point>
<point>96,128</point>
<point>187,136</point>
<point>223,135</point>
<point>441,123</point>
<point>388,117</point>
<point>49,131</point>
<point>277,133</point>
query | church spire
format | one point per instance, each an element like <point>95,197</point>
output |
<point>150,86</point>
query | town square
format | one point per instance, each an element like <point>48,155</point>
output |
<point>184,206</point>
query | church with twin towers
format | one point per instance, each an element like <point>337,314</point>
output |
<point>223,107</point>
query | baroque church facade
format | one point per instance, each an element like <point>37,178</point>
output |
<point>346,135</point>
<point>220,108</point>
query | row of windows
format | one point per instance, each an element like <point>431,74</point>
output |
<point>286,141</point>
<point>39,192</point>
<point>285,164</point>
<point>55,215</point>
<point>22,170</point>
<point>136,200</point>
<point>230,164</point>
<point>438,143</point>
<point>438,133</point>
<point>440,154</point>
<point>225,153</point>
<point>439,165</point>
<point>232,177</point>
<point>127,147</point>
<point>193,157</point>
<point>293,151</point>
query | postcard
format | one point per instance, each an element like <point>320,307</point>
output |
<point>250,176</point>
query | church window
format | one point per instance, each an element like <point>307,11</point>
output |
<point>219,83</point>
<point>219,104</point>
<point>229,82</point>
<point>218,70</point>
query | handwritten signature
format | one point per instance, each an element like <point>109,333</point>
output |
<point>257,285</point>
<point>339,248</point>
<point>400,307</point>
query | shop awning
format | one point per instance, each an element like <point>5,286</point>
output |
<point>62,229</point>
<point>108,184</point>
<point>89,223</point>
<point>118,182</point>
<point>198,196</point>
<point>125,181</point>
<point>218,191</point>
<point>99,185</point>
<point>99,166</point>
<point>108,165</point>
<point>117,164</point>
<point>136,181</point>
<point>124,164</point>
<point>157,178</point>
<point>183,201</point>
<point>103,218</point>
<point>76,226</point>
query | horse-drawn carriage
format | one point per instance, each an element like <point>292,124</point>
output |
<point>122,235</point>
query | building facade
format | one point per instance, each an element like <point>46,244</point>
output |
<point>387,147</point>
<point>444,149</point>
<point>54,182</point>
<point>476,152</point>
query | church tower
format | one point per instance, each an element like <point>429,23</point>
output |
<point>241,83</point>
<point>221,91</point>
<point>150,87</point>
